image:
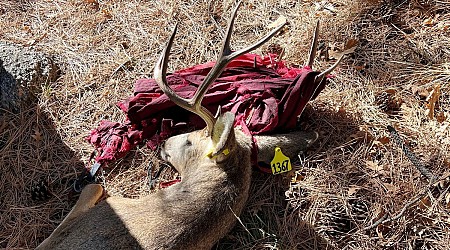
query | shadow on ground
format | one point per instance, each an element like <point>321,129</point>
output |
<point>270,221</point>
<point>37,171</point>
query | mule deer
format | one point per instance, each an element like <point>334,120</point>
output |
<point>215,167</point>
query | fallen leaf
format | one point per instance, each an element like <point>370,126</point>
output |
<point>390,187</point>
<point>351,44</point>
<point>353,190</point>
<point>420,91</point>
<point>391,91</point>
<point>429,22</point>
<point>373,166</point>
<point>280,20</point>
<point>297,177</point>
<point>37,135</point>
<point>384,140</point>
<point>440,117</point>
<point>27,28</point>
<point>447,163</point>
<point>107,14</point>
<point>432,99</point>
<point>359,67</point>
<point>425,203</point>
<point>349,47</point>
<point>95,2</point>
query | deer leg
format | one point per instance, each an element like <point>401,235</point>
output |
<point>291,144</point>
<point>88,198</point>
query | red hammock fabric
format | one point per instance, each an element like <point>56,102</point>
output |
<point>265,95</point>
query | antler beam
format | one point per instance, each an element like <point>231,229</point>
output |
<point>225,57</point>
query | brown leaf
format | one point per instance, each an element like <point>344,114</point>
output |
<point>425,202</point>
<point>359,67</point>
<point>373,166</point>
<point>384,140</point>
<point>350,45</point>
<point>92,3</point>
<point>447,163</point>
<point>353,190</point>
<point>429,22</point>
<point>440,117</point>
<point>391,91</point>
<point>390,187</point>
<point>420,91</point>
<point>106,13</point>
<point>432,99</point>
<point>296,177</point>
<point>37,135</point>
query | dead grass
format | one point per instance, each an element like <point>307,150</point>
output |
<point>353,176</point>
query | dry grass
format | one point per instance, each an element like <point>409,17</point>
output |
<point>350,179</point>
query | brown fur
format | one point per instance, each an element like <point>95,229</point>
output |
<point>192,214</point>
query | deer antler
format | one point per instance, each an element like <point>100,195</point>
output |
<point>312,55</point>
<point>313,49</point>
<point>226,56</point>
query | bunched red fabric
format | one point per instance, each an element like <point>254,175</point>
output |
<point>264,93</point>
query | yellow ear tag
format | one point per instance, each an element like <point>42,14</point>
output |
<point>225,152</point>
<point>280,163</point>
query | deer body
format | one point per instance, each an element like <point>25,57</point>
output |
<point>192,214</point>
<point>215,168</point>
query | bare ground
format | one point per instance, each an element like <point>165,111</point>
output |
<point>354,177</point>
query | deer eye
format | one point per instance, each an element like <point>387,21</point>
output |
<point>188,143</point>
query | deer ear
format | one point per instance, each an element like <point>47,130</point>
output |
<point>222,132</point>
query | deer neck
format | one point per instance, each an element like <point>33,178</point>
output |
<point>216,185</point>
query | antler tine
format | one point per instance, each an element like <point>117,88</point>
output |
<point>160,73</point>
<point>313,49</point>
<point>160,78</point>
<point>320,77</point>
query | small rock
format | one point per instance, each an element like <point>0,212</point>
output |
<point>22,73</point>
